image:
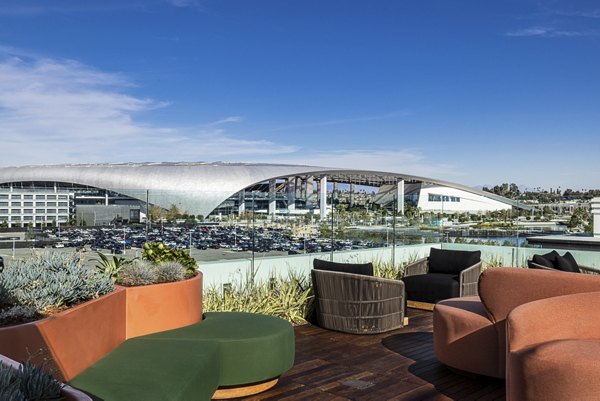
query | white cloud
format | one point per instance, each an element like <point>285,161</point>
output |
<point>57,111</point>
<point>185,3</point>
<point>546,32</point>
<point>61,111</point>
<point>405,161</point>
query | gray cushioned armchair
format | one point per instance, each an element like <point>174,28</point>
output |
<point>353,301</point>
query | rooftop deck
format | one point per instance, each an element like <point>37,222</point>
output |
<point>398,365</point>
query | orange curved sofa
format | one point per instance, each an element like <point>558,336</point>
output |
<point>469,333</point>
<point>554,349</point>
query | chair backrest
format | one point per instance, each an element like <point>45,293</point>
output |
<point>354,268</point>
<point>449,261</point>
<point>357,303</point>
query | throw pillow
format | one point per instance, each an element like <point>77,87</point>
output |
<point>542,261</point>
<point>572,261</point>
<point>562,263</point>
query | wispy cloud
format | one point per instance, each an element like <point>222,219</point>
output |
<point>55,111</point>
<point>547,32</point>
<point>23,8</point>
<point>578,13</point>
<point>338,121</point>
<point>407,161</point>
<point>186,3</point>
<point>62,111</point>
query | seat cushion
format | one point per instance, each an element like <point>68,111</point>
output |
<point>465,338</point>
<point>252,347</point>
<point>555,370</point>
<point>431,287</point>
<point>450,261</point>
<point>354,268</point>
<point>153,370</point>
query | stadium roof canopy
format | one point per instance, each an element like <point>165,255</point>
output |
<point>201,187</point>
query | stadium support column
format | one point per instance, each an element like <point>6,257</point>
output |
<point>400,197</point>
<point>309,193</point>
<point>272,198</point>
<point>242,203</point>
<point>291,194</point>
<point>323,197</point>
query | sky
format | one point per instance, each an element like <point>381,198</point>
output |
<point>469,91</point>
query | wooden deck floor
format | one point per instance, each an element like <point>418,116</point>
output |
<point>398,365</point>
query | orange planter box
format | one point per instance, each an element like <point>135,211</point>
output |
<point>160,307</point>
<point>80,336</point>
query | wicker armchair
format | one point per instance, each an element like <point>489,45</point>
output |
<point>357,303</point>
<point>444,274</point>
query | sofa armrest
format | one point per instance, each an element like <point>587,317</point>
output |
<point>574,316</point>
<point>421,266</point>
<point>469,279</point>
<point>502,289</point>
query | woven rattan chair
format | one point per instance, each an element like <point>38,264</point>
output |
<point>454,274</point>
<point>357,303</point>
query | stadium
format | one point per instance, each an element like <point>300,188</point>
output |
<point>100,194</point>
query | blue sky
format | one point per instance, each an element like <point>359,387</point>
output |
<point>468,91</point>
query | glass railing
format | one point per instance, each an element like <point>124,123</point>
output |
<point>259,233</point>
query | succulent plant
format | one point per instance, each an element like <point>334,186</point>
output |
<point>28,383</point>
<point>140,272</point>
<point>17,314</point>
<point>111,267</point>
<point>157,252</point>
<point>168,272</point>
<point>52,281</point>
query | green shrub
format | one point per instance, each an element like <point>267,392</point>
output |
<point>28,383</point>
<point>167,272</point>
<point>140,272</point>
<point>52,281</point>
<point>288,297</point>
<point>157,252</point>
<point>388,270</point>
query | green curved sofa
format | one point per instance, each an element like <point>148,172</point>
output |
<point>190,363</point>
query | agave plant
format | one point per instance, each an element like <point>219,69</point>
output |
<point>111,266</point>
<point>28,383</point>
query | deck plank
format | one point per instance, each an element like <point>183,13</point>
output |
<point>396,366</point>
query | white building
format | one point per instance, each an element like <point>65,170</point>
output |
<point>437,198</point>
